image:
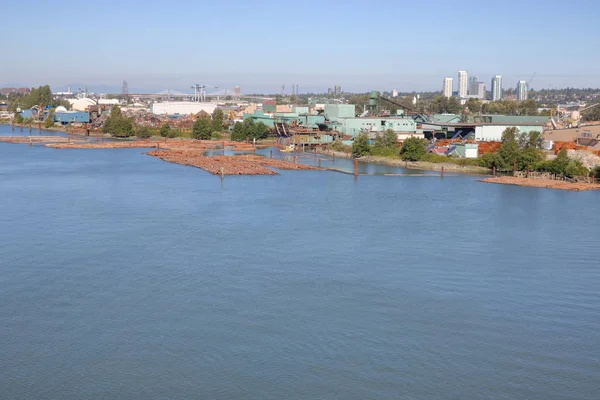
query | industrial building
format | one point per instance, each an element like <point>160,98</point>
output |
<point>82,104</point>
<point>67,117</point>
<point>182,107</point>
<point>489,129</point>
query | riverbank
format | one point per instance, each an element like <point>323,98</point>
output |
<point>542,183</point>
<point>420,165</point>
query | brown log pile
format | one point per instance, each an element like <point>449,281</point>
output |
<point>543,183</point>
<point>227,165</point>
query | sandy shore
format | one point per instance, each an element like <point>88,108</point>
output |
<point>542,183</point>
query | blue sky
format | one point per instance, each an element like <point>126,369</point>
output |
<point>260,45</point>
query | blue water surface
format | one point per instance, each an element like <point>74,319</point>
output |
<point>126,277</point>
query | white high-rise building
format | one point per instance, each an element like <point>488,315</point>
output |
<point>522,90</point>
<point>395,93</point>
<point>480,90</point>
<point>448,83</point>
<point>496,88</point>
<point>463,83</point>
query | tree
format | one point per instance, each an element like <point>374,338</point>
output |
<point>527,107</point>
<point>532,139</point>
<point>248,125</point>
<point>202,129</point>
<point>509,151</point>
<point>361,146</point>
<point>453,106</point>
<point>489,160</point>
<point>413,149</point>
<point>259,131</point>
<point>217,120</point>
<point>510,134</point>
<point>439,105</point>
<point>115,111</point>
<point>474,105</point>
<point>388,139</point>
<point>117,124</point>
<point>165,129</point>
<point>237,133</point>
<point>143,132</point>
<point>49,121</point>
<point>561,162</point>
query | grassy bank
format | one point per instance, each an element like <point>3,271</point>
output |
<point>431,162</point>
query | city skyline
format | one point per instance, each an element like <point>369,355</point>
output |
<point>155,51</point>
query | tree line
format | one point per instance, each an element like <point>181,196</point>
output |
<point>520,150</point>
<point>37,96</point>
<point>205,127</point>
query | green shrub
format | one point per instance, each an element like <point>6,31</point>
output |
<point>435,158</point>
<point>391,152</point>
<point>202,129</point>
<point>361,146</point>
<point>466,162</point>
<point>164,130</point>
<point>488,160</point>
<point>339,146</point>
<point>413,149</point>
<point>143,132</point>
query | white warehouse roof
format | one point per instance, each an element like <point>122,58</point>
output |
<point>182,107</point>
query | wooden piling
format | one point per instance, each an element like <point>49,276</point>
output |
<point>527,172</point>
<point>270,153</point>
<point>494,170</point>
<point>442,171</point>
<point>355,167</point>
<point>319,163</point>
<point>514,167</point>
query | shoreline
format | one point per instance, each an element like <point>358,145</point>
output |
<point>189,152</point>
<point>416,165</point>
<point>542,183</point>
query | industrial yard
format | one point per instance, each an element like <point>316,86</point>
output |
<point>458,142</point>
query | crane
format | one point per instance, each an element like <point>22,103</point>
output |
<point>531,79</point>
<point>200,91</point>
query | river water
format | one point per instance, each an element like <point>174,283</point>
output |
<point>126,277</point>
